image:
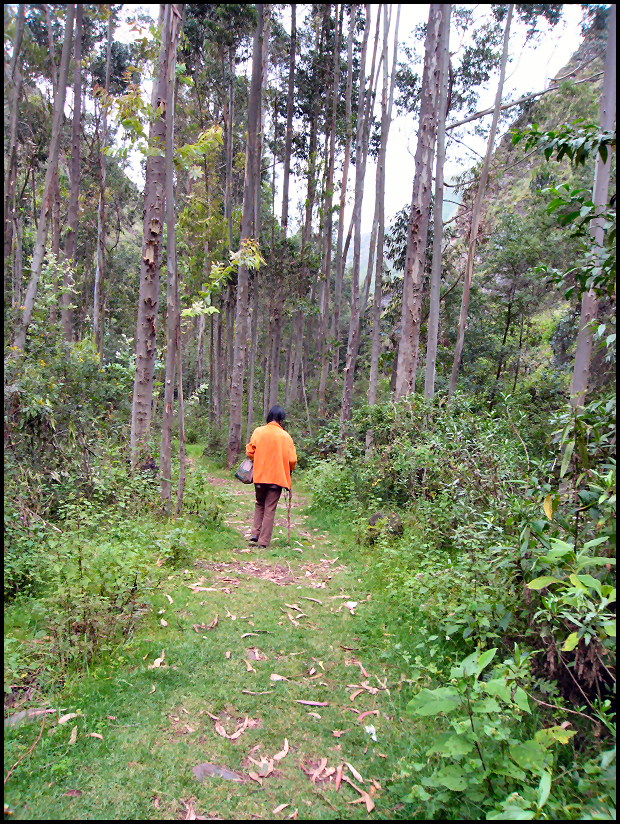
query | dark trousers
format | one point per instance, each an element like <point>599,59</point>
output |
<point>267,497</point>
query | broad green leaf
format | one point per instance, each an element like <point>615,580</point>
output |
<point>497,687</point>
<point>550,735</point>
<point>431,702</point>
<point>571,642</point>
<point>567,456</point>
<point>589,581</point>
<point>530,755</point>
<point>596,541</point>
<point>485,659</point>
<point>452,777</point>
<point>543,581</point>
<point>578,584</point>
<point>449,743</point>
<point>520,699</point>
<point>512,813</point>
<point>544,789</point>
<point>610,629</point>
<point>487,705</point>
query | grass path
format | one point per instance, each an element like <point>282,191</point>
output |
<point>235,617</point>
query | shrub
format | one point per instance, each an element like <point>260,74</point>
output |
<point>331,483</point>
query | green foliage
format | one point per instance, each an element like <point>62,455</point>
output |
<point>578,144</point>
<point>332,483</point>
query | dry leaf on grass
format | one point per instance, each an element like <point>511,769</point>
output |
<point>163,623</point>
<point>255,777</point>
<point>67,717</point>
<point>189,729</point>
<point>316,600</point>
<point>73,793</point>
<point>315,715</point>
<point>339,776</point>
<point>292,620</point>
<point>73,736</point>
<point>275,677</point>
<point>228,653</point>
<point>239,731</point>
<point>365,798</point>
<point>314,703</point>
<point>168,597</point>
<point>338,733</point>
<point>94,735</point>
<point>354,772</point>
<point>279,808</point>
<point>354,695</point>
<point>158,661</point>
<point>156,803</point>
<point>152,689</point>
<point>280,755</point>
<point>266,768</point>
<point>293,815</point>
<point>249,666</point>
<point>369,712</point>
<point>315,773</point>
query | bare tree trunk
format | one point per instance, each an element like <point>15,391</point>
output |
<point>254,345</point>
<point>386,118</point>
<point>433,318</point>
<point>172,288</point>
<point>328,217</point>
<point>420,205</point>
<point>241,331</point>
<point>202,326</point>
<point>589,300</point>
<point>216,375</point>
<point>360,170</point>
<point>340,258</point>
<point>18,260</point>
<point>148,299</point>
<point>469,267</point>
<point>48,189</point>
<point>15,80</point>
<point>229,111</point>
<point>72,217</point>
<point>290,103</point>
<point>181,487</point>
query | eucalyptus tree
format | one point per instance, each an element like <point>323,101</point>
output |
<point>241,314</point>
<point>420,202</point>
<point>50,178</point>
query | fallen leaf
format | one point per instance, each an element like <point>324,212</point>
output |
<point>339,776</point>
<point>228,653</point>
<point>213,623</point>
<point>275,677</point>
<point>73,793</point>
<point>315,715</point>
<point>189,729</point>
<point>156,802</point>
<point>316,600</point>
<point>161,611</point>
<point>95,735</point>
<point>380,754</point>
<point>168,597</point>
<point>292,620</point>
<point>369,712</point>
<point>370,804</point>
<point>152,689</point>
<point>315,773</point>
<point>163,623</point>
<point>376,783</point>
<point>354,695</point>
<point>184,710</point>
<point>67,717</point>
<point>249,692</point>
<point>158,661</point>
<point>338,733</point>
<point>249,666</point>
<point>254,777</point>
<point>266,768</point>
<point>111,717</point>
<point>314,703</point>
<point>354,772</point>
<point>245,634</point>
<point>73,737</point>
<point>279,808</point>
<point>293,815</point>
<point>280,755</point>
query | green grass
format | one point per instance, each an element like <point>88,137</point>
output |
<point>155,723</point>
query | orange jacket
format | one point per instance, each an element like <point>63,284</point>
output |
<point>273,452</point>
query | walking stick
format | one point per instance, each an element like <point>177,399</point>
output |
<point>288,521</point>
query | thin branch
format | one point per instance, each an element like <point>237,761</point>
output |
<point>562,709</point>
<point>8,775</point>
<point>469,149</point>
<point>521,100</point>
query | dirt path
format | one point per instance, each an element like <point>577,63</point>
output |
<point>245,693</point>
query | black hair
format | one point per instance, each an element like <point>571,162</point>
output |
<point>277,414</point>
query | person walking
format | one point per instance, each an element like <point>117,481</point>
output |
<point>273,452</point>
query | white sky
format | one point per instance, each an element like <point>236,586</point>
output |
<point>528,72</point>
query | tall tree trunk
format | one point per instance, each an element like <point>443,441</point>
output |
<point>72,218</point>
<point>202,326</point>
<point>469,267</point>
<point>148,298</point>
<point>420,204</point>
<point>386,119</point>
<point>328,216</point>
<point>340,259</point>
<point>15,81</point>
<point>589,300</point>
<point>290,103</point>
<point>433,317</point>
<point>354,326</point>
<point>172,287</point>
<point>99,269</point>
<point>229,116</point>
<point>181,487</point>
<point>48,189</point>
<point>216,375</point>
<point>18,259</point>
<point>241,330</point>
<point>254,345</point>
